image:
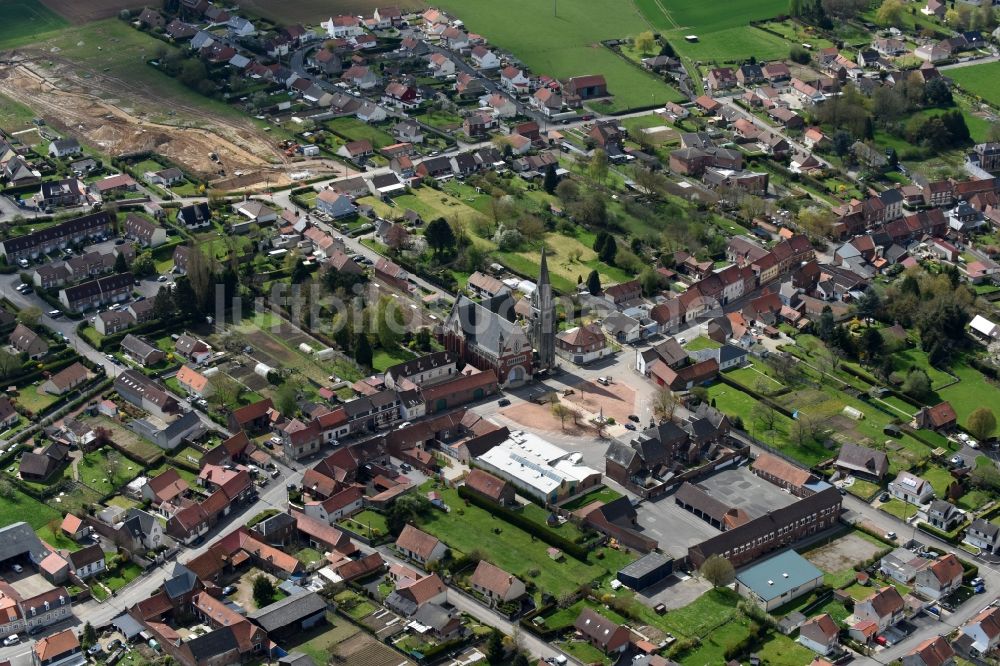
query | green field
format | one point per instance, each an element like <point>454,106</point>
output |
<point>14,115</point>
<point>26,21</point>
<point>569,42</point>
<point>358,130</point>
<point>119,51</point>
<point>972,391</point>
<point>471,528</point>
<point>722,28</point>
<point>979,80</point>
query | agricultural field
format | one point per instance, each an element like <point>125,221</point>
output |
<point>722,28</point>
<point>26,21</point>
<point>568,43</point>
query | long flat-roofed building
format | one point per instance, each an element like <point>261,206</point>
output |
<point>539,468</point>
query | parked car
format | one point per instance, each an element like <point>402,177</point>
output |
<point>55,314</point>
<point>890,536</point>
<point>13,639</point>
<point>630,426</point>
<point>95,649</point>
<point>17,568</point>
<point>503,402</point>
<point>633,417</point>
<point>227,590</point>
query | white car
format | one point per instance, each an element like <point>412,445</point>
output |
<point>13,639</point>
<point>17,568</point>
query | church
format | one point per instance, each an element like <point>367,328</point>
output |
<point>488,335</point>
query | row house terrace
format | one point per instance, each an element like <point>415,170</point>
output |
<point>96,226</point>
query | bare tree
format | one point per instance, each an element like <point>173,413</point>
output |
<point>664,404</point>
<point>560,411</point>
<point>765,414</point>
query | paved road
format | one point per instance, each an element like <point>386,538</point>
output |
<point>274,496</point>
<point>970,63</point>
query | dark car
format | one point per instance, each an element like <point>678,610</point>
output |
<point>630,426</point>
<point>633,417</point>
<point>120,241</point>
<point>503,402</point>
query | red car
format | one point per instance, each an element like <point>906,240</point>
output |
<point>881,640</point>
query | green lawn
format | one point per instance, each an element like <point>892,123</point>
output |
<point>753,378</point>
<point>722,28</point>
<point>712,648</point>
<point>95,471</point>
<point>470,528</point>
<point>979,80</point>
<point>939,478</point>
<point>600,495</point>
<point>321,642</point>
<point>360,522</point>
<point>567,42</point>
<point>569,258</point>
<point>709,610</point>
<point>972,391</point>
<point>125,575</point>
<point>26,21</point>
<point>781,650</point>
<point>903,361</point>
<point>584,652</point>
<point>14,115</point>
<point>383,359</point>
<point>356,130</point>
<point>899,508</point>
<point>34,399</point>
<point>309,556</point>
<point>702,342</point>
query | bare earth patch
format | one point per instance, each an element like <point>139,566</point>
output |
<point>843,553</point>
<point>616,400</point>
<point>539,417</point>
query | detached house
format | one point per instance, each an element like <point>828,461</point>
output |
<point>883,607</point>
<point>495,584</point>
<point>195,216</point>
<point>26,341</point>
<point>911,488</point>
<point>982,632</point>
<point>602,633</point>
<point>420,546</point>
<point>936,651</point>
<point>939,579</point>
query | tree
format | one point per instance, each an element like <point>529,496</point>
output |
<point>608,251</point>
<point>560,411</point>
<point>7,490</point>
<point>981,423</point>
<point>521,660</point>
<point>651,281</point>
<point>495,652</point>
<point>163,304</point>
<point>937,93</point>
<point>89,635</point>
<point>121,264</point>
<point>10,364</point>
<point>873,345</point>
<point>226,391</point>
<point>363,351</point>
<point>664,403</point>
<point>869,305</point>
<point>644,42</point>
<point>286,400</point>
<point>551,179</point>
<point>388,325</point>
<point>440,236</point>
<point>594,283</point>
<point>300,272</point>
<point>199,277</point>
<point>143,264</point>
<point>765,414</point>
<point>29,316</point>
<point>800,55</point>
<point>598,168</point>
<point>817,221</point>
<point>841,142</point>
<point>717,570</point>
<point>890,13</point>
<point>917,384</point>
<point>986,476</point>
<point>263,591</point>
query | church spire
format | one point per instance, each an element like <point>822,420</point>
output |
<point>543,274</point>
